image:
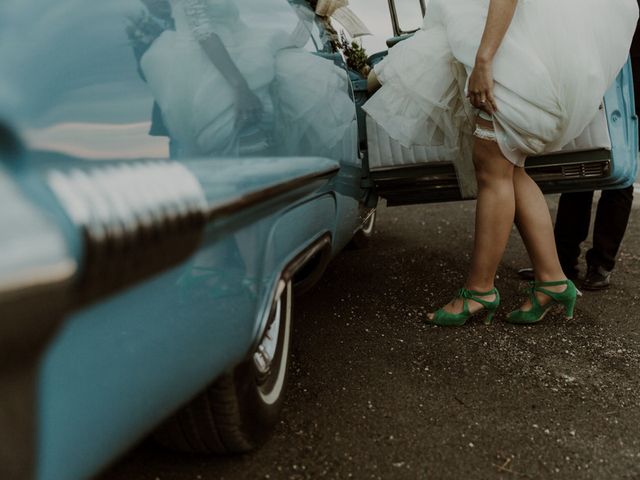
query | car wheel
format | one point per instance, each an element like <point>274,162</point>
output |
<point>363,236</point>
<point>238,412</point>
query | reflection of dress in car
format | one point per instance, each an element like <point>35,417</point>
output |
<point>314,106</point>
<point>314,110</point>
<point>197,103</point>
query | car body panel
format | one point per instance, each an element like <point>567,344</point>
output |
<point>201,316</point>
<point>143,328</point>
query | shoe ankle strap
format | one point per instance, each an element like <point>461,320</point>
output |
<point>475,293</point>
<point>466,295</point>
<point>540,287</point>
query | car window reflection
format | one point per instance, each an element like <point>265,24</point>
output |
<point>174,78</point>
<point>228,87</point>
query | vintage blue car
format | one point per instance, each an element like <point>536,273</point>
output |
<point>171,172</point>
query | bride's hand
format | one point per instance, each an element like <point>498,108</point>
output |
<point>481,88</point>
<point>248,107</point>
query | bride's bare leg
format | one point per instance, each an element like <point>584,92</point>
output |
<point>495,212</point>
<point>536,229</point>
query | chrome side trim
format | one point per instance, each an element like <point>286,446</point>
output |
<point>320,244</point>
<point>115,204</point>
<point>317,246</point>
<point>255,198</point>
<point>136,218</point>
<point>399,168</point>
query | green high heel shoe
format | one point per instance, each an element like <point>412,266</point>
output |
<point>567,298</point>
<point>446,319</point>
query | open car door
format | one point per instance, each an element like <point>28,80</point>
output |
<point>603,156</point>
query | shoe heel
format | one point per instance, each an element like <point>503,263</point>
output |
<point>489,318</point>
<point>569,309</point>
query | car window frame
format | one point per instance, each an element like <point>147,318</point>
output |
<point>395,21</point>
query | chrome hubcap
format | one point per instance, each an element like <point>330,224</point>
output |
<point>266,351</point>
<point>369,223</point>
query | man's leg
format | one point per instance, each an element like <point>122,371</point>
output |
<point>572,228</point>
<point>612,217</point>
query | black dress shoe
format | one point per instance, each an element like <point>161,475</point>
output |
<point>597,278</point>
<point>572,273</point>
<point>527,273</point>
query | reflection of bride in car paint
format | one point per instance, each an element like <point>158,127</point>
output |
<point>211,75</point>
<point>142,31</point>
<point>218,83</point>
<point>315,108</point>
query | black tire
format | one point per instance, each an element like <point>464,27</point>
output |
<point>362,237</point>
<point>238,412</point>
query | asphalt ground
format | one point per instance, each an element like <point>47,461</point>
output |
<point>375,394</point>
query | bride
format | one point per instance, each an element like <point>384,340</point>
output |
<point>534,72</point>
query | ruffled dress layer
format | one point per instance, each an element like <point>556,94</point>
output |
<point>555,63</point>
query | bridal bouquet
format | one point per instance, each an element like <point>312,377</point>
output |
<point>355,55</point>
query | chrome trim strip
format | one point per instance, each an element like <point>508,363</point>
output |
<point>324,241</point>
<point>114,204</point>
<point>317,246</point>
<point>395,168</point>
<point>151,211</point>
<point>254,198</point>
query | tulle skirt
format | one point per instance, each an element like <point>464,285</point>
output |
<point>315,111</point>
<point>554,65</point>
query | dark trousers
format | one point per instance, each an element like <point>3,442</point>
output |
<point>612,215</point>
<point>572,227</point>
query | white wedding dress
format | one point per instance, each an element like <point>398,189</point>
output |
<point>554,65</point>
<point>304,97</point>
